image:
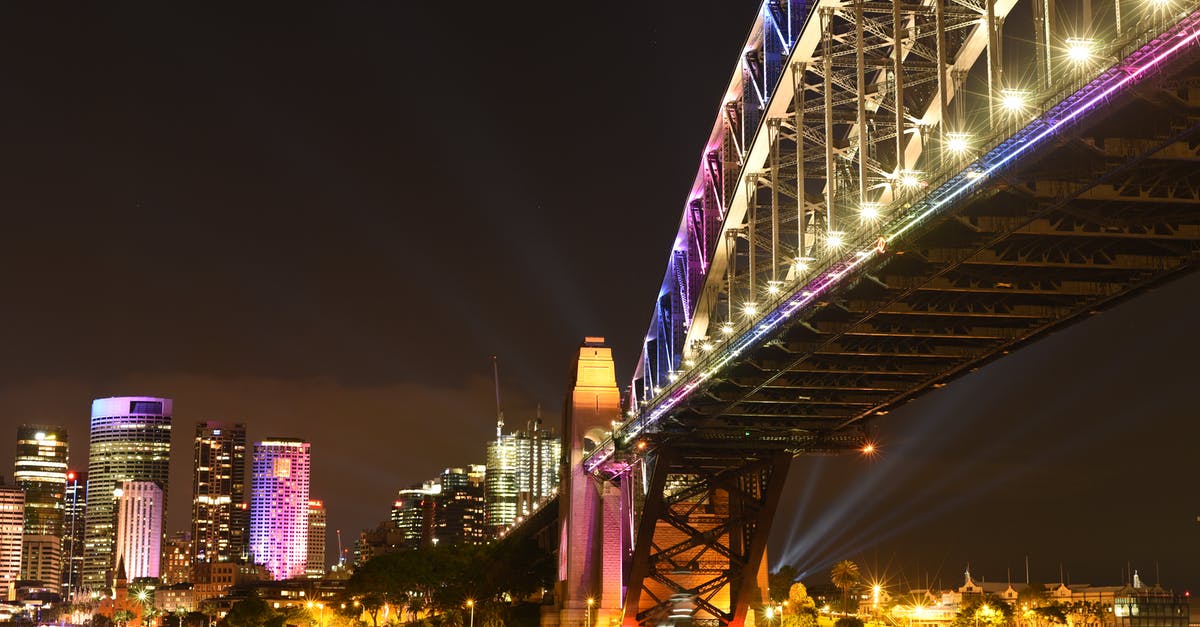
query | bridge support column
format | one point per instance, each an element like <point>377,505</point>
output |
<point>592,548</point>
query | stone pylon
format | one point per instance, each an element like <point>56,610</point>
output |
<point>594,527</point>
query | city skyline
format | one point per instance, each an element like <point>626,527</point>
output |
<point>265,208</point>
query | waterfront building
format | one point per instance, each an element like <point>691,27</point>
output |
<point>140,528</point>
<point>74,514</point>
<point>521,472</point>
<point>315,568</point>
<point>41,472</point>
<point>413,513</point>
<point>130,441</point>
<point>177,559</point>
<point>279,506</point>
<point>12,531</point>
<point>461,514</point>
<point>219,510</point>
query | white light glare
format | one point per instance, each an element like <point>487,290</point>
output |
<point>706,347</point>
<point>869,212</point>
<point>833,240</point>
<point>910,179</point>
<point>958,142</point>
<point>773,288</point>
<point>1013,100</point>
<point>801,264</point>
<point>749,308</point>
<point>727,328</point>
<point>1079,49</point>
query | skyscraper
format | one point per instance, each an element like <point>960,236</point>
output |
<point>279,506</point>
<point>219,508</point>
<point>461,513</point>
<point>75,508</point>
<point>140,528</point>
<point>12,526</point>
<point>41,471</point>
<point>522,471</point>
<point>130,441</point>
<point>316,540</point>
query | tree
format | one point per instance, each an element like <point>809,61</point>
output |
<point>845,576</point>
<point>848,621</point>
<point>122,617</point>
<point>251,611</point>
<point>990,611</point>
<point>780,582</point>
<point>801,608</point>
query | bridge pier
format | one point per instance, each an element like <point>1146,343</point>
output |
<point>594,514</point>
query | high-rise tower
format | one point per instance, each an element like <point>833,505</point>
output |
<point>139,528</point>
<point>316,540</point>
<point>41,471</point>
<point>279,506</point>
<point>12,524</point>
<point>219,508</point>
<point>75,508</point>
<point>130,441</point>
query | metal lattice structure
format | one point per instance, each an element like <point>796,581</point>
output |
<point>886,202</point>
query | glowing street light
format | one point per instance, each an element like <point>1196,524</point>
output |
<point>727,328</point>
<point>958,143</point>
<point>749,308</point>
<point>1079,49</point>
<point>910,179</point>
<point>471,606</point>
<point>833,240</point>
<point>869,212</point>
<point>1013,100</point>
<point>588,621</point>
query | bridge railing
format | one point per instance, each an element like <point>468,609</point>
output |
<point>1135,54</point>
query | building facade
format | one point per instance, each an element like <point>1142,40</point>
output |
<point>522,472</point>
<point>279,506</point>
<point>316,540</point>
<point>75,508</point>
<point>177,559</point>
<point>140,528</point>
<point>12,528</point>
<point>130,441</point>
<point>461,516</point>
<point>41,472</point>
<point>219,509</point>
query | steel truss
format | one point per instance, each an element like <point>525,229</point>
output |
<point>700,545</point>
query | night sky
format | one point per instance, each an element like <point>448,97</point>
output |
<point>323,221</point>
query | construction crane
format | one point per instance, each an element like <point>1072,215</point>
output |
<point>341,552</point>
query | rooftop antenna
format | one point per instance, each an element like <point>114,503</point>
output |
<point>499,414</point>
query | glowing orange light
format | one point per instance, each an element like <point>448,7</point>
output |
<point>641,445</point>
<point>868,448</point>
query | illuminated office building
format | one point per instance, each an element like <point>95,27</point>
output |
<point>522,472</point>
<point>12,527</point>
<point>316,540</point>
<point>41,472</point>
<point>140,528</point>
<point>279,506</point>
<point>177,559</point>
<point>74,514</point>
<point>130,441</point>
<point>219,508</point>
<point>461,516</point>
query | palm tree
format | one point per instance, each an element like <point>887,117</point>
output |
<point>845,575</point>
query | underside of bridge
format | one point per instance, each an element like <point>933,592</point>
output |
<point>1100,212</point>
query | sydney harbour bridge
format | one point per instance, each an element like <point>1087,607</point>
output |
<point>892,194</point>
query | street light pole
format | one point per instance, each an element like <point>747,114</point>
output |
<point>588,621</point>
<point>471,606</point>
